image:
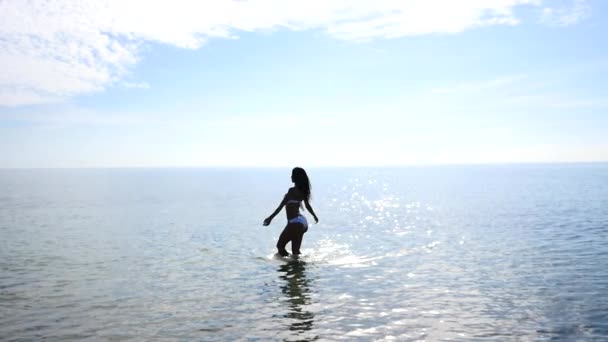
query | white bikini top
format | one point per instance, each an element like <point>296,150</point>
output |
<point>293,202</point>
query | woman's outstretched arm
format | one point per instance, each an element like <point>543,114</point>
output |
<point>281,205</point>
<point>309,208</point>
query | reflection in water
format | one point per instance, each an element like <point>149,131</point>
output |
<point>296,288</point>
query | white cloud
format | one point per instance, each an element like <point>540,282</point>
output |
<point>52,50</point>
<point>61,115</point>
<point>468,87</point>
<point>566,15</point>
<point>136,85</point>
<point>519,90</point>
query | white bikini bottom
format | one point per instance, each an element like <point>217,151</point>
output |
<point>300,219</point>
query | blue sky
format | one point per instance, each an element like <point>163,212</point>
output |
<point>311,83</point>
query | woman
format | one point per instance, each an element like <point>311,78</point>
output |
<point>296,222</point>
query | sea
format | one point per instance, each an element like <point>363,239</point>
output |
<point>423,253</point>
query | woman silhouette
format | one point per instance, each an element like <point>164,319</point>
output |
<point>296,222</point>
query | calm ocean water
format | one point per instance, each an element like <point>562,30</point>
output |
<point>498,253</point>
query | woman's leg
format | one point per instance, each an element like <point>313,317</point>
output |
<point>296,241</point>
<point>293,232</point>
<point>283,240</point>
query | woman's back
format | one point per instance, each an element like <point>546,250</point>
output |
<point>293,202</point>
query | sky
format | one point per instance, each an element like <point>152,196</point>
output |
<point>274,83</point>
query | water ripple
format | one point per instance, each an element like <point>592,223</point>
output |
<point>401,255</point>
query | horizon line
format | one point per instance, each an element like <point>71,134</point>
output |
<point>307,167</point>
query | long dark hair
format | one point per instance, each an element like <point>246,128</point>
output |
<point>300,178</point>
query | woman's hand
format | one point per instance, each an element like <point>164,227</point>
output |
<point>267,221</point>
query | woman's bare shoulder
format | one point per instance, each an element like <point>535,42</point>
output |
<point>295,192</point>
